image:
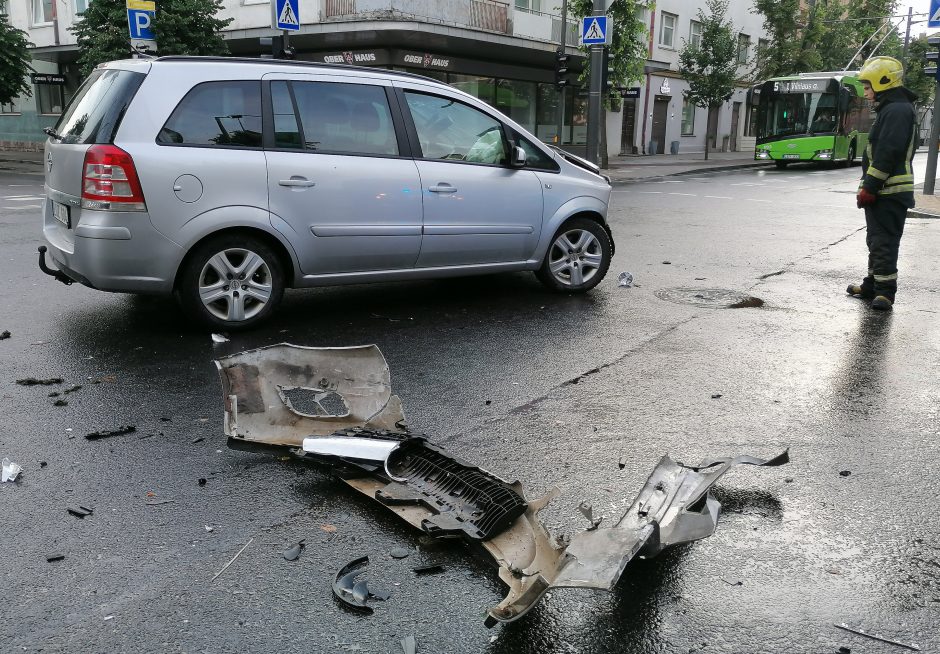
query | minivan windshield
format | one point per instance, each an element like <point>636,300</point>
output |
<point>96,109</point>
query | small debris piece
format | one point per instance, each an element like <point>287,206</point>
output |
<point>4,335</point>
<point>382,595</point>
<point>667,263</point>
<point>328,528</point>
<point>54,557</point>
<point>43,464</point>
<point>80,511</point>
<point>845,650</point>
<point>198,440</point>
<point>912,646</point>
<point>165,419</point>
<point>218,338</point>
<point>622,463</point>
<point>400,553</point>
<point>32,381</point>
<point>55,394</point>
<point>348,590</point>
<point>10,470</point>
<point>736,583</point>
<point>225,567</point>
<point>408,645</point>
<point>429,569</point>
<point>293,553</point>
<point>159,502</point>
<point>489,402</point>
<point>60,403</point>
<point>715,396</point>
<point>210,529</point>
<point>700,279</point>
<point>788,480</point>
<point>76,387</point>
<point>105,433</point>
<point>845,473</point>
<point>108,617</point>
<point>202,481</point>
<point>625,280</point>
<point>588,512</point>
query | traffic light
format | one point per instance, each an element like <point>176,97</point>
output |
<point>933,56</point>
<point>607,74</point>
<point>561,69</point>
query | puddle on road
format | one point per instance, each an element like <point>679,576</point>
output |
<point>710,298</point>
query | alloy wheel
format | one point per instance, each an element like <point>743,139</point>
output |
<point>235,284</point>
<point>575,257</point>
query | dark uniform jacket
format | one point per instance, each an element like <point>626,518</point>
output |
<point>886,164</point>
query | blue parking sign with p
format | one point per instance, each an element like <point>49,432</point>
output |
<point>140,18</point>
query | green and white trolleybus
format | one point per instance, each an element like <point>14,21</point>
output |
<point>811,117</point>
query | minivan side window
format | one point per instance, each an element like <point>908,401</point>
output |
<point>344,118</point>
<point>535,158</point>
<point>217,114</point>
<point>451,130</point>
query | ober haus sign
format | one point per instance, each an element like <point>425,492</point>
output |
<point>46,78</point>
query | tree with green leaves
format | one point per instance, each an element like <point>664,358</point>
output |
<point>14,62</point>
<point>628,49</point>
<point>182,27</point>
<point>710,68</point>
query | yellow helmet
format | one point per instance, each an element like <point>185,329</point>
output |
<point>882,73</point>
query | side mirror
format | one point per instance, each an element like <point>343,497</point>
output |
<point>518,157</point>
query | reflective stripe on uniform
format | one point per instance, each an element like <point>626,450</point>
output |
<point>874,172</point>
<point>899,179</point>
<point>886,278</point>
<point>900,188</point>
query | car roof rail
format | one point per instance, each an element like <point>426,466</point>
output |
<point>291,62</point>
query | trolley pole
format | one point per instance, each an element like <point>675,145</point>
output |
<point>595,99</point>
<point>930,177</point>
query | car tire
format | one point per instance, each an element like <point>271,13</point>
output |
<point>578,257</point>
<point>781,164</point>
<point>231,282</point>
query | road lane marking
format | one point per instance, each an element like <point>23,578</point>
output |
<point>691,195</point>
<point>756,200</point>
<point>747,184</point>
<point>719,197</point>
<point>22,198</point>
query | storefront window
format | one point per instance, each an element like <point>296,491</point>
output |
<point>10,108</point>
<point>517,100</point>
<point>483,88</point>
<point>688,118</point>
<point>579,111</point>
<point>49,98</point>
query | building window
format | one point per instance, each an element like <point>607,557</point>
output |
<point>744,47</point>
<point>80,6</point>
<point>9,108</point>
<point>695,33</point>
<point>529,5</point>
<point>42,12</point>
<point>688,118</point>
<point>667,30</point>
<point>49,98</point>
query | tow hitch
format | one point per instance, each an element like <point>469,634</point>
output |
<point>58,274</point>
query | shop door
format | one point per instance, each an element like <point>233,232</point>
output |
<point>735,118</point>
<point>629,122</point>
<point>660,115</point>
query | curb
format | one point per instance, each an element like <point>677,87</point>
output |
<point>696,171</point>
<point>914,213</point>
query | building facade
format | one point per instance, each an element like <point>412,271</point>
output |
<point>502,51</point>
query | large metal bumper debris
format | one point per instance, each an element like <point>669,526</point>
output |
<point>336,405</point>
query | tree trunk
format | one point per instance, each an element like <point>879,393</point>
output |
<point>707,139</point>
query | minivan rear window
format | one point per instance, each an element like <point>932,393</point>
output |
<point>95,111</point>
<point>217,114</point>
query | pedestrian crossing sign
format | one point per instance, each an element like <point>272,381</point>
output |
<point>934,19</point>
<point>286,14</point>
<point>595,30</point>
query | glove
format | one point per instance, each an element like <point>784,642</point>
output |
<point>865,198</point>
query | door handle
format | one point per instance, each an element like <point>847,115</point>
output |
<point>295,182</point>
<point>443,187</point>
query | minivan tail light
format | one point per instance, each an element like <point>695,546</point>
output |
<point>109,181</point>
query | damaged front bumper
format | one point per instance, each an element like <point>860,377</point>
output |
<point>335,406</point>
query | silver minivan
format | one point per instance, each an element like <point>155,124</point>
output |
<point>225,180</point>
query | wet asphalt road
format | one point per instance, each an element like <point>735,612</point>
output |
<point>549,389</point>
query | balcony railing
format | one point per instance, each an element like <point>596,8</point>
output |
<point>334,8</point>
<point>486,15</point>
<point>491,16</point>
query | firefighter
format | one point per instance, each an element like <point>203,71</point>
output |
<point>886,191</point>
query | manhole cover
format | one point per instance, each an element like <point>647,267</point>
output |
<point>711,298</point>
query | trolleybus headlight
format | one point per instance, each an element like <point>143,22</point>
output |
<point>762,154</point>
<point>824,154</point>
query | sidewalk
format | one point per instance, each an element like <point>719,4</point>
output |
<point>638,167</point>
<point>927,206</point>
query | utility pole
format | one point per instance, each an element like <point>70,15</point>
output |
<point>562,49</point>
<point>595,99</point>
<point>933,61</point>
<point>907,35</point>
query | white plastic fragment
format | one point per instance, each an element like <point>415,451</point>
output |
<point>10,470</point>
<point>218,338</point>
<point>625,280</point>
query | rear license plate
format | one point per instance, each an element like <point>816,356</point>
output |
<point>61,213</point>
<point>791,156</point>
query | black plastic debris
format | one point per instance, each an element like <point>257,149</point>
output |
<point>349,590</point>
<point>198,440</point>
<point>76,387</point>
<point>845,650</point>
<point>60,403</point>
<point>622,463</point>
<point>408,645</point>
<point>80,511</point>
<point>43,464</point>
<point>5,334</point>
<point>55,394</point>
<point>667,263</point>
<point>715,396</point>
<point>106,433</point>
<point>400,553</point>
<point>845,473</point>
<point>54,557</point>
<point>588,512</point>
<point>429,569</point>
<point>202,481</point>
<point>32,381</point>
<point>293,553</point>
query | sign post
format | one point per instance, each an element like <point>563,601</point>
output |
<point>595,32</point>
<point>140,25</point>
<point>933,19</point>
<point>285,16</point>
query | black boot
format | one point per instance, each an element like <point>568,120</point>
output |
<point>882,303</point>
<point>865,290</point>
